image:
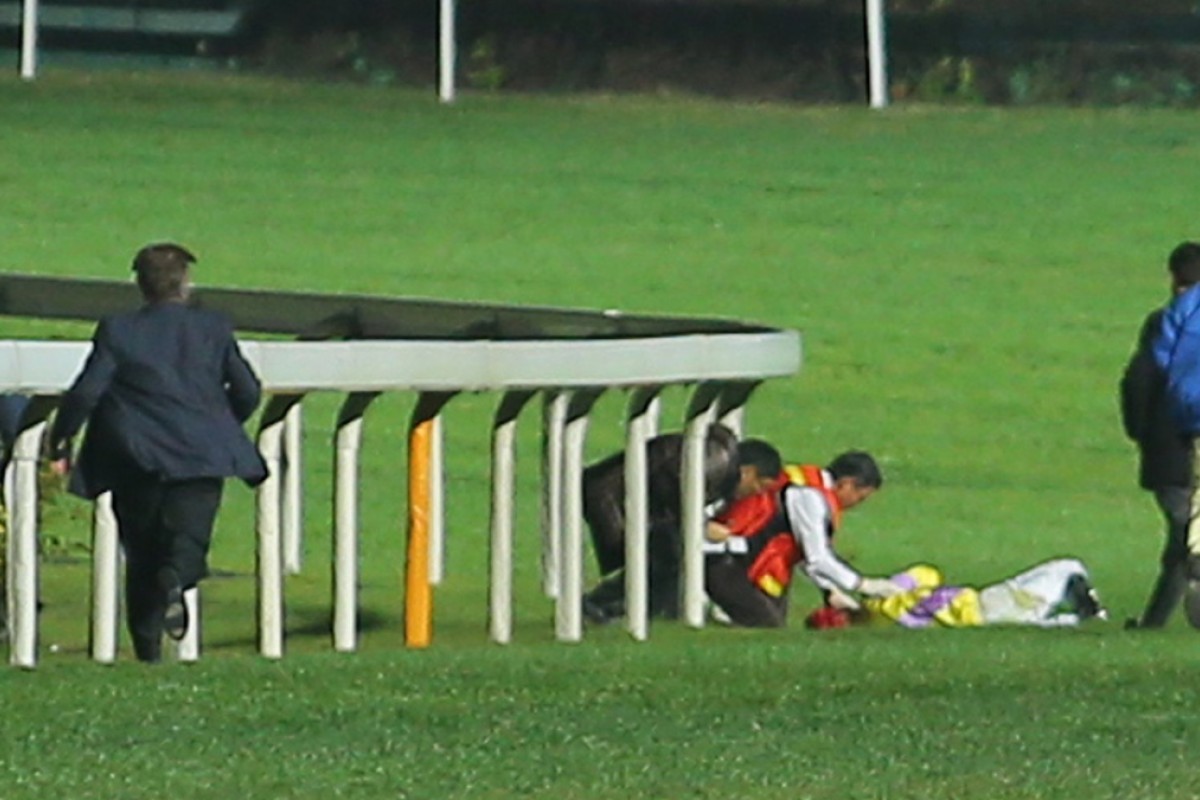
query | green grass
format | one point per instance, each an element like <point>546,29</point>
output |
<point>968,282</point>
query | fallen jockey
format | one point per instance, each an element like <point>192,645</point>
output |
<point>1054,593</point>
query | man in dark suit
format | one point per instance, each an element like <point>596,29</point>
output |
<point>1165,455</point>
<point>164,392</point>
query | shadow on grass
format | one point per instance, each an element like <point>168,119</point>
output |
<point>306,623</point>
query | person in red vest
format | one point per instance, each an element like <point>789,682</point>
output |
<point>756,545</point>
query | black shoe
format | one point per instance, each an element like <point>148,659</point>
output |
<point>1083,598</point>
<point>147,650</point>
<point>595,613</point>
<point>175,617</point>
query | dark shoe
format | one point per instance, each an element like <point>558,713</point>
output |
<point>147,650</point>
<point>1083,598</point>
<point>595,613</point>
<point>175,616</point>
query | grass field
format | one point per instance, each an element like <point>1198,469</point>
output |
<point>968,282</point>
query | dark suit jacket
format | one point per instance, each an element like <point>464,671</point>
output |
<point>165,391</point>
<point>1165,454</point>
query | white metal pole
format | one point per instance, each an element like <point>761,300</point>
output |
<point>437,502</point>
<point>29,35</point>
<point>701,413</point>
<point>270,548</point>
<point>22,549</point>
<point>106,574</point>
<point>554,421</point>
<point>446,51</point>
<point>293,490</point>
<point>568,617</point>
<point>877,54</point>
<point>347,446</point>
<point>345,536</point>
<point>188,649</point>
<point>642,408</point>
<point>500,594</point>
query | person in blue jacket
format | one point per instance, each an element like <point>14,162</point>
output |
<point>1176,352</point>
<point>1165,454</point>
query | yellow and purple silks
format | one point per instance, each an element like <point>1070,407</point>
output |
<point>927,601</point>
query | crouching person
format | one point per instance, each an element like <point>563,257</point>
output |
<point>755,547</point>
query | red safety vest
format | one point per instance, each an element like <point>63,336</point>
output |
<point>762,520</point>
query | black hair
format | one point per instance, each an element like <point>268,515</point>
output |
<point>162,271</point>
<point>1184,264</point>
<point>859,466</point>
<point>760,455</point>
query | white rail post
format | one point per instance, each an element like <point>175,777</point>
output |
<point>500,594</point>
<point>701,413</point>
<point>554,422</point>
<point>106,576</point>
<point>568,609</point>
<point>22,552</point>
<point>437,501</point>
<point>29,37</point>
<point>187,649</point>
<point>446,51</point>
<point>643,405</point>
<point>293,489</point>
<point>731,410</point>
<point>877,54</point>
<point>347,445</point>
<point>270,544</point>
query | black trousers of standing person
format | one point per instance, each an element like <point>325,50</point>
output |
<point>729,587</point>
<point>1175,502</point>
<point>165,528</point>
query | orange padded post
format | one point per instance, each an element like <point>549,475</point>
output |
<point>418,594</point>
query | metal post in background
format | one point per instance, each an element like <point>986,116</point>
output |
<point>29,37</point>
<point>876,54</point>
<point>446,51</point>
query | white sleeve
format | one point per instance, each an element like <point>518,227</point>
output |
<point>808,514</point>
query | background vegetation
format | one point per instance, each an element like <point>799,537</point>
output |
<point>968,282</point>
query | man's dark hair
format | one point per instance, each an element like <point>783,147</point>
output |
<point>858,466</point>
<point>162,271</point>
<point>760,455</point>
<point>1184,264</point>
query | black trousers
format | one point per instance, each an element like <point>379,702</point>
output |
<point>165,528</point>
<point>1175,502</point>
<point>728,586</point>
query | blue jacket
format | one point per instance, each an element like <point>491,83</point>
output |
<point>1177,352</point>
<point>165,391</point>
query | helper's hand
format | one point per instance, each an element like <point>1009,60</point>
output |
<point>879,587</point>
<point>839,599</point>
<point>716,532</point>
<point>60,466</point>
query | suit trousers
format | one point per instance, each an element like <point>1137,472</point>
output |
<point>728,586</point>
<point>1175,503</point>
<point>165,528</point>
